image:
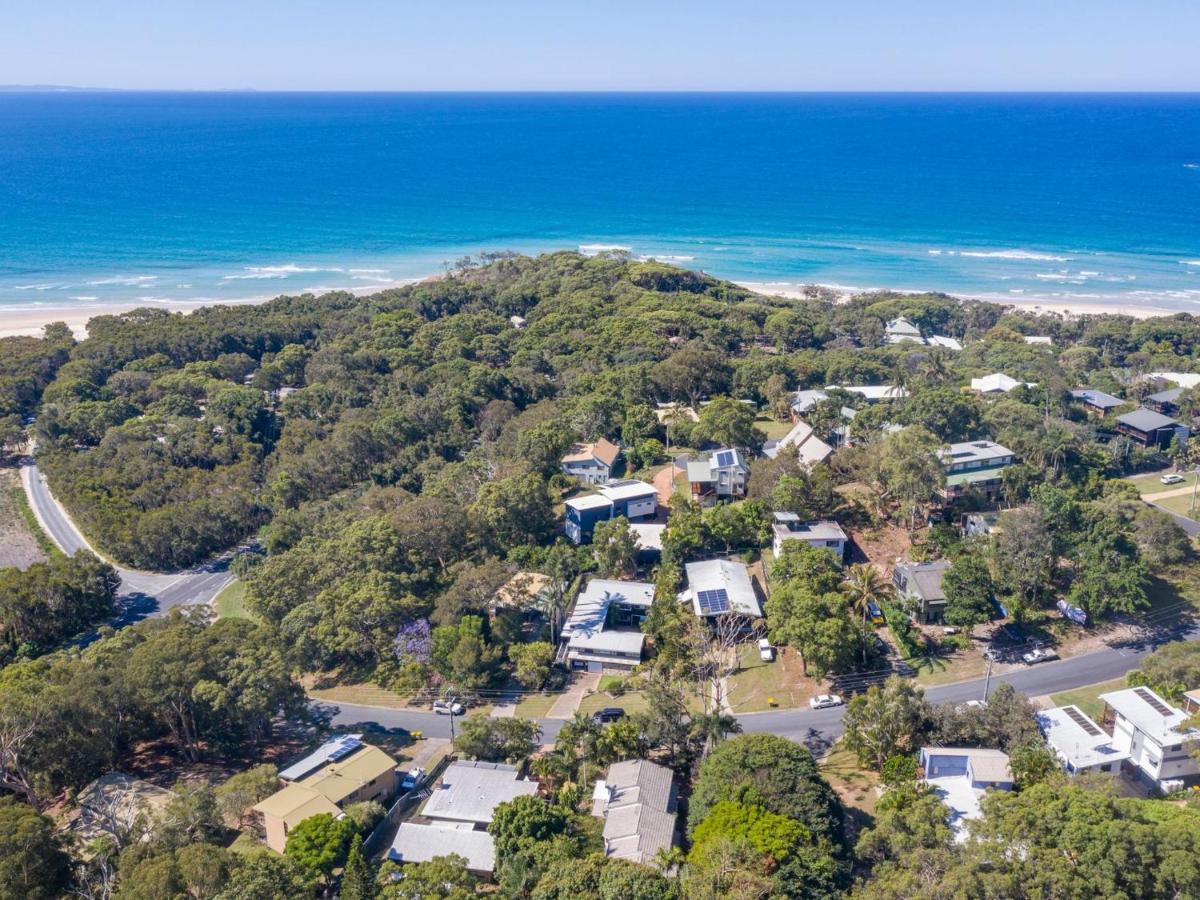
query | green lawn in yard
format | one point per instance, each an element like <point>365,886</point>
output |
<point>231,602</point>
<point>962,665</point>
<point>1087,698</point>
<point>772,429</point>
<point>757,682</point>
<point>1150,483</point>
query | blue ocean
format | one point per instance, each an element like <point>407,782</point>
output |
<point>159,197</point>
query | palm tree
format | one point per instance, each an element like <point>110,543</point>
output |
<point>713,727</point>
<point>865,586</point>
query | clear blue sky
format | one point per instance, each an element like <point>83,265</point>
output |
<point>612,45</point>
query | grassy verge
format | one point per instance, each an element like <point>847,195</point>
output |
<point>535,706</point>
<point>21,503</point>
<point>1088,698</point>
<point>1181,506</point>
<point>1150,483</point>
<point>630,701</point>
<point>231,602</point>
<point>771,428</point>
<point>961,665</point>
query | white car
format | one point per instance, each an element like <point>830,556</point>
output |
<point>447,707</point>
<point>1039,655</point>
<point>1172,478</point>
<point>825,701</point>
<point>765,651</point>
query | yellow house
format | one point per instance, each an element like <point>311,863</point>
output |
<point>341,771</point>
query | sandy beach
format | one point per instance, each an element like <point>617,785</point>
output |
<point>1072,307</point>
<point>14,322</point>
<point>32,321</point>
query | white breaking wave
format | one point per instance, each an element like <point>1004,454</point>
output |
<point>1189,262</point>
<point>368,271</point>
<point>84,297</point>
<point>126,280</point>
<point>1013,254</point>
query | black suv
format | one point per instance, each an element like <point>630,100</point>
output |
<point>608,714</point>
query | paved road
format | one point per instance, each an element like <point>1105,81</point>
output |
<point>819,729</point>
<point>142,594</point>
<point>1191,526</point>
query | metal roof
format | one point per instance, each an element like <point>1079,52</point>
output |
<point>1097,398</point>
<point>638,803</point>
<point>1147,420</point>
<point>339,746</point>
<point>722,575</point>
<point>1076,738</point>
<point>1151,715</point>
<point>591,606</point>
<point>471,791</point>
<point>420,843</point>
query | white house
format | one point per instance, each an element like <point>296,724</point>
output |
<point>900,330</point>
<point>809,448</point>
<point>997,383</point>
<point>602,631</point>
<point>960,776</point>
<point>458,811</point>
<point>1154,734</point>
<point>1079,743</point>
<point>592,463</point>
<point>825,534</point>
<point>719,586</point>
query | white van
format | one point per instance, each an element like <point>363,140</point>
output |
<point>765,651</point>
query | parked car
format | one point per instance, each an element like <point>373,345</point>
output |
<point>1038,655</point>
<point>412,778</point>
<point>875,614</point>
<point>765,651</point>
<point>608,714</point>
<point>448,707</point>
<point>949,629</point>
<point>1172,478</point>
<point>825,701</point>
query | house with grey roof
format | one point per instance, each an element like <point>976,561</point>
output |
<point>455,817</point>
<point>722,476</point>
<point>718,587</point>
<point>920,586</point>
<point>1152,429</point>
<point>1165,402</point>
<point>603,630</point>
<point>960,776</point>
<point>802,441</point>
<point>825,534</point>
<point>1096,402</point>
<point>638,802</point>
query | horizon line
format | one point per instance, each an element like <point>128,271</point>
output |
<point>72,89</point>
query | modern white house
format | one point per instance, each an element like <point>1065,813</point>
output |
<point>997,383</point>
<point>1154,734</point>
<point>638,802</point>
<point>1080,744</point>
<point>455,817</point>
<point>903,330</point>
<point>602,631</point>
<point>592,463</point>
<point>960,776</point>
<point>720,586</point>
<point>826,534</point>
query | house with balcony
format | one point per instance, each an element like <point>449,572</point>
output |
<point>1152,429</point>
<point>635,500</point>
<point>722,476</point>
<point>1080,744</point>
<point>919,586</point>
<point>1155,735</point>
<point>603,630</point>
<point>592,463</point>
<point>826,534</point>
<point>1097,403</point>
<point>974,466</point>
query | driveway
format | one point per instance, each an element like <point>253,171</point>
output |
<point>141,595</point>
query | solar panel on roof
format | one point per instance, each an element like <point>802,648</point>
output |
<point>1153,702</point>
<point>1082,721</point>
<point>725,458</point>
<point>344,748</point>
<point>712,602</point>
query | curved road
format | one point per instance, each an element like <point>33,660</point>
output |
<point>818,729</point>
<point>142,594</point>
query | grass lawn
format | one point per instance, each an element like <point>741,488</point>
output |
<point>367,694</point>
<point>853,784</point>
<point>1181,506</point>
<point>1150,483</point>
<point>231,602</point>
<point>1087,698</point>
<point>961,665</point>
<point>535,706</point>
<point>631,702</point>
<point>772,429</point>
<point>758,681</point>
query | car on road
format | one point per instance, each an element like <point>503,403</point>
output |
<point>448,707</point>
<point>1037,655</point>
<point>825,701</point>
<point>608,714</point>
<point>412,778</point>
<point>1172,478</point>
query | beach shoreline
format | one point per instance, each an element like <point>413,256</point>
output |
<point>31,322</point>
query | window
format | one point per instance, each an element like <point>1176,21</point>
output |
<point>1107,767</point>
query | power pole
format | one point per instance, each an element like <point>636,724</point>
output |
<point>987,681</point>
